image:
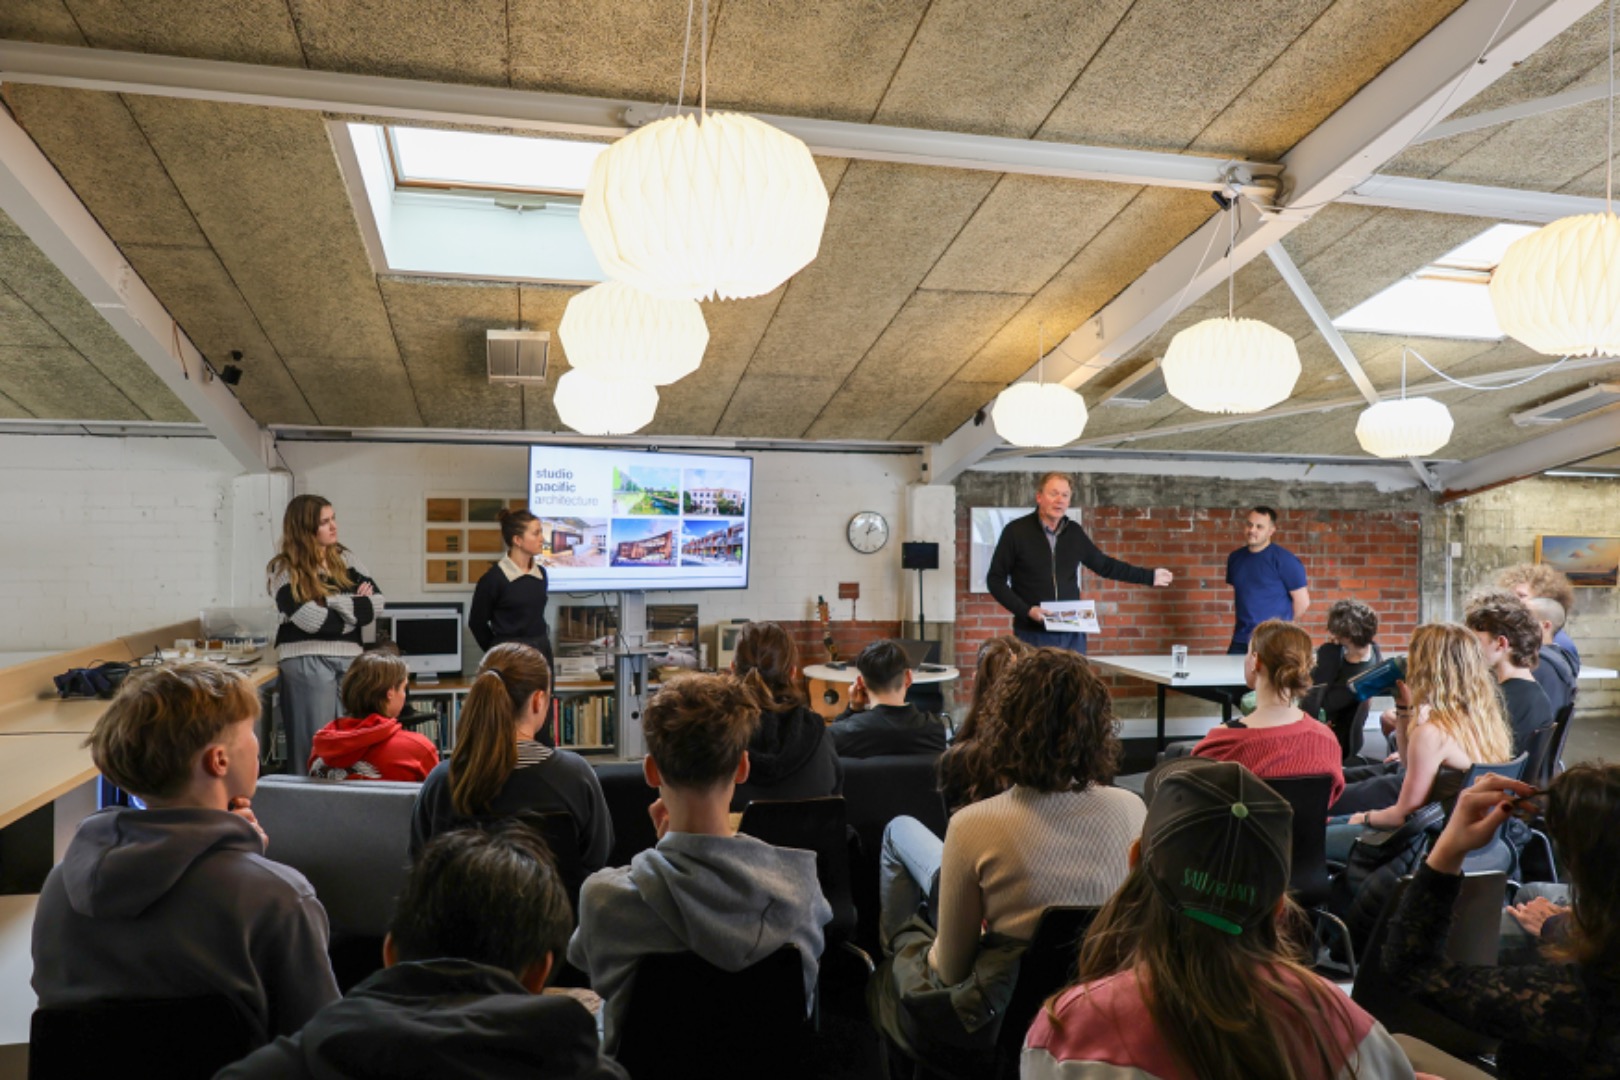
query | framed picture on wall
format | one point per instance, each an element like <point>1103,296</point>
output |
<point>461,538</point>
<point>1590,562</point>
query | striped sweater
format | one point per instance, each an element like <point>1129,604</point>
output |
<point>1010,857</point>
<point>324,629</point>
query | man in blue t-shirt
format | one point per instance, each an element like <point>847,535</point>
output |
<point>1268,581</point>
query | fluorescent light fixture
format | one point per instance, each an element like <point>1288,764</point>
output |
<point>1449,298</point>
<point>1569,406</point>
<point>479,160</point>
<point>1139,389</point>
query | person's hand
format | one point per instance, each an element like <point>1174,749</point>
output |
<point>242,807</point>
<point>1403,694</point>
<point>1479,812</point>
<point>1534,915</point>
<point>1037,614</point>
<point>859,700</point>
<point>1162,578</point>
<point>660,817</point>
<point>365,589</point>
<point>1386,721</point>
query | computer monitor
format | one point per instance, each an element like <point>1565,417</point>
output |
<point>428,637</point>
<point>918,652</point>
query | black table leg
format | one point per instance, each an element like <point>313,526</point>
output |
<point>1160,688</point>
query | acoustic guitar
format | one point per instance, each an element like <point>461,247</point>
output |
<point>827,699</point>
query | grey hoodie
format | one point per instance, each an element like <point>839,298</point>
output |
<point>180,903</point>
<point>733,900</point>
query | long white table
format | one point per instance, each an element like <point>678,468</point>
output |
<point>1211,678</point>
<point>1598,673</point>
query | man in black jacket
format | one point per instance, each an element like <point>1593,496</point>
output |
<point>1038,559</point>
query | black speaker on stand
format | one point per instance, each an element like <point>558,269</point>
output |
<point>919,555</point>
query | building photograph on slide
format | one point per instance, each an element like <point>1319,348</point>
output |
<point>722,492</point>
<point>639,490</point>
<point>707,542</point>
<point>643,542</point>
<point>572,541</point>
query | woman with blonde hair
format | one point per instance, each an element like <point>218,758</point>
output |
<point>964,773</point>
<point>1448,718</point>
<point>324,596</point>
<point>500,767</point>
<point>1277,738</point>
<point>793,756</point>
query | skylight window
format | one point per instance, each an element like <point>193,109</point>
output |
<point>462,204</point>
<point>1449,298</point>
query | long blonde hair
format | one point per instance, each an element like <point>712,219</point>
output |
<point>1446,670</point>
<point>486,735</point>
<point>315,572</point>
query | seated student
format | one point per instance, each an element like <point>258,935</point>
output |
<point>1511,638</point>
<point>1188,972</point>
<point>878,720</point>
<point>1557,1017</point>
<point>964,774</point>
<point>368,743</point>
<point>481,923</point>
<point>1557,670</point>
<point>1351,624</point>
<point>791,755</point>
<point>500,769</point>
<point>178,900</point>
<point>731,899</point>
<point>1530,580</point>
<point>1057,835</point>
<point>1277,738</point>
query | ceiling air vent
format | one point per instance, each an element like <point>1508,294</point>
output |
<point>1142,387</point>
<point>517,357</point>
<point>1568,407</point>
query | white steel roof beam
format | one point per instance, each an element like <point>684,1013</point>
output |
<point>1471,200</point>
<point>1438,74</point>
<point>34,195</point>
<point>1569,442</point>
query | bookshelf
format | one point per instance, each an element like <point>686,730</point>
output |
<point>583,714</point>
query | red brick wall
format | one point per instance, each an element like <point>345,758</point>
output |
<point>849,635</point>
<point>1370,556</point>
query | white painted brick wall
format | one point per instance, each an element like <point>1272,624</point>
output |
<point>103,536</point>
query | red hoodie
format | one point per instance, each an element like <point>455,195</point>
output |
<point>375,748</point>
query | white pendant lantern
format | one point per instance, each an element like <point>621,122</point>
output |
<point>1404,427</point>
<point>723,206</point>
<point>616,332</point>
<point>1230,365</point>
<point>594,406</point>
<point>1039,414</point>
<point>1558,289</point>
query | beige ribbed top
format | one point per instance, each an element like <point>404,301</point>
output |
<point>1010,857</point>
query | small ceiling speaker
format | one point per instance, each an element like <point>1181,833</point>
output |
<point>517,357</point>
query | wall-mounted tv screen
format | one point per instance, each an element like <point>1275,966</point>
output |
<point>620,520</point>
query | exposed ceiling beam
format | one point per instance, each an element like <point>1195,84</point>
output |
<point>1438,74</point>
<point>1324,325</point>
<point>288,433</point>
<point>1469,200</point>
<point>1506,115</point>
<point>36,197</point>
<point>1569,442</point>
<point>486,106</point>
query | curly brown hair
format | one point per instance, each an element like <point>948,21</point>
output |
<point>1541,579</point>
<point>1353,620</point>
<point>698,726</point>
<point>1057,730</point>
<point>1500,613</point>
<point>965,775</point>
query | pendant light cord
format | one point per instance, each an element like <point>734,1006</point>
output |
<point>703,66</point>
<point>1608,186</point>
<point>686,53</point>
<point>1231,250</point>
<point>1548,370</point>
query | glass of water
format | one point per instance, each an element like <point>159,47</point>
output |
<point>1178,659</point>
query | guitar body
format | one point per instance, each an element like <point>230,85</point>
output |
<point>828,699</point>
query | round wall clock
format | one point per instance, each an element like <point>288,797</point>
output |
<point>868,531</point>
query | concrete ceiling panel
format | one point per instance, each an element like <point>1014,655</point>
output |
<point>201,296</point>
<point>249,31</point>
<point>831,60</point>
<point>694,405</point>
<point>36,283</point>
<point>994,70</point>
<point>95,144</point>
<point>463,42</point>
<point>1339,53</point>
<point>1170,68</point>
<point>440,328</point>
<point>46,21</point>
<point>264,186</point>
<point>10,410</point>
<point>357,391</point>
<point>609,48</point>
<point>1541,153</point>
<point>1025,232</point>
<point>59,384</point>
<point>946,410</point>
<point>775,406</point>
<point>887,228</point>
<point>934,334</point>
<point>19,326</point>
<point>1155,221</point>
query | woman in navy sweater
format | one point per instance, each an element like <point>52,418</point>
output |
<point>509,603</point>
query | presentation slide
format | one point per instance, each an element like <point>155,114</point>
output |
<point>617,520</point>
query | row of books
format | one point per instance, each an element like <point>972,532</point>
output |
<point>583,720</point>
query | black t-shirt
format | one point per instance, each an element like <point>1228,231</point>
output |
<point>1528,709</point>
<point>888,729</point>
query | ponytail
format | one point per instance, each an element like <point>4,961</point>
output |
<point>1283,651</point>
<point>486,739</point>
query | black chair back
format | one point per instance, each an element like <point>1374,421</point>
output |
<point>178,1038</point>
<point>1475,933</point>
<point>1308,795</point>
<point>562,836</point>
<point>625,789</point>
<point>816,825</point>
<point>1047,966</point>
<point>668,1028</point>
<point>1537,753</point>
<point>1555,749</point>
<point>876,791</point>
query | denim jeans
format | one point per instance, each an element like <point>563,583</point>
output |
<point>1038,638</point>
<point>908,875</point>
